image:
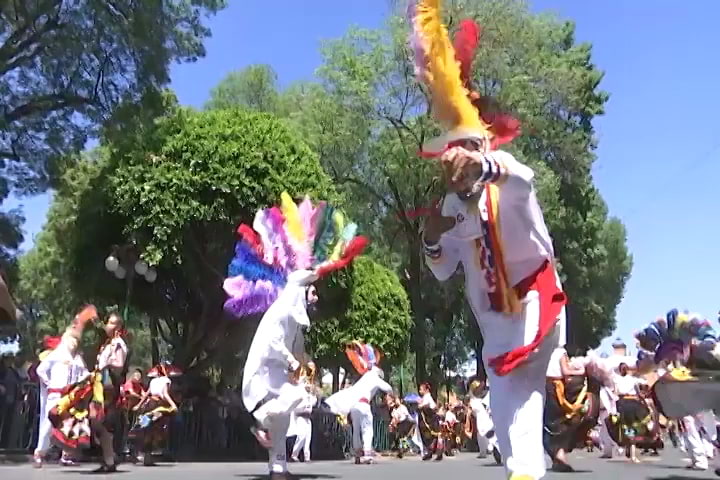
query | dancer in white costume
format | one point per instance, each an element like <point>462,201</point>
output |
<point>491,222</point>
<point>300,420</point>
<point>61,367</point>
<point>484,427</point>
<point>275,264</point>
<point>356,400</point>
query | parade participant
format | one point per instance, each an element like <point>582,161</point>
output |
<point>571,407</point>
<point>430,424</point>
<point>491,222</point>
<point>153,412</point>
<point>132,391</point>
<point>451,438</point>
<point>356,400</point>
<point>402,424</point>
<point>275,264</point>
<point>61,365</point>
<point>484,428</point>
<point>633,420</point>
<point>92,406</point>
<point>677,341</point>
<point>301,420</point>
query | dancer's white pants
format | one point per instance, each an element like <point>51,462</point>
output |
<point>47,403</point>
<point>277,456</point>
<point>303,430</point>
<point>517,400</point>
<point>694,441</point>
<point>608,405</point>
<point>362,426</point>
<point>274,415</point>
<point>483,425</point>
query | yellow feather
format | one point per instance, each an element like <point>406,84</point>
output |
<point>450,103</point>
<point>292,218</point>
<point>339,220</point>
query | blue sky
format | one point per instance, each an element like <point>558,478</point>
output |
<point>657,162</point>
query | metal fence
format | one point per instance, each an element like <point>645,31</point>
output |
<point>203,429</point>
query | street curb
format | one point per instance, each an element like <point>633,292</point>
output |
<point>10,457</point>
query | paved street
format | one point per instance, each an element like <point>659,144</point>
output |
<point>670,466</point>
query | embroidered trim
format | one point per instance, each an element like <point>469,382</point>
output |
<point>492,171</point>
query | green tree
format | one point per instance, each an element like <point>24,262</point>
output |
<point>254,88</point>
<point>65,66</point>
<point>177,193</point>
<point>368,117</point>
<point>366,302</point>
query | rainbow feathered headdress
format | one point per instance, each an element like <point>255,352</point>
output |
<point>445,67</point>
<point>671,338</point>
<point>362,356</point>
<point>282,240</point>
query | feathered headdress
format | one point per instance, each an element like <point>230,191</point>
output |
<point>363,357</point>
<point>677,336</point>
<point>446,68</point>
<point>282,240</point>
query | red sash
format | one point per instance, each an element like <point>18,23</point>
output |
<point>552,299</point>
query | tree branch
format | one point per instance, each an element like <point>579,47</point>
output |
<point>46,104</point>
<point>15,45</point>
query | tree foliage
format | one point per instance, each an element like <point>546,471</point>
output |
<point>366,302</point>
<point>177,193</point>
<point>254,88</point>
<point>65,66</point>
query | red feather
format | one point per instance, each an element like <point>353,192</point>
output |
<point>466,42</point>
<point>505,128</point>
<point>51,343</point>
<point>352,250</point>
<point>249,235</point>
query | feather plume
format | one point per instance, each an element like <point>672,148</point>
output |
<point>450,103</point>
<point>325,235</point>
<point>284,254</point>
<point>293,222</point>
<point>416,45</point>
<point>252,238</point>
<point>264,234</point>
<point>256,299</point>
<point>51,343</point>
<point>248,264</point>
<point>349,232</point>
<point>356,246</point>
<point>307,211</point>
<point>465,44</point>
<point>339,220</point>
<point>296,232</point>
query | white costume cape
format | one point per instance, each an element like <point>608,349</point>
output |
<point>271,355</point>
<point>343,401</point>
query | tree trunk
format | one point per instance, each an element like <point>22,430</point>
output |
<point>154,347</point>
<point>335,379</point>
<point>418,308</point>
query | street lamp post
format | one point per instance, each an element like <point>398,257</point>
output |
<point>125,263</point>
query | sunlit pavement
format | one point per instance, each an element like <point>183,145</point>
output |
<point>669,466</point>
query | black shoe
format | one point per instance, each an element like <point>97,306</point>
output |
<point>497,456</point>
<point>717,472</point>
<point>561,467</point>
<point>428,456</point>
<point>106,469</point>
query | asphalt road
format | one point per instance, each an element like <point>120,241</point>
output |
<point>669,466</point>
